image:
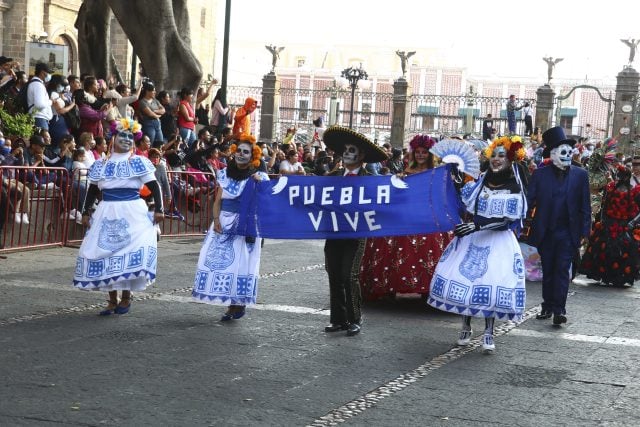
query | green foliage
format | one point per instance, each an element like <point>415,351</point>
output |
<point>18,124</point>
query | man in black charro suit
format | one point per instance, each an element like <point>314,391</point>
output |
<point>344,256</point>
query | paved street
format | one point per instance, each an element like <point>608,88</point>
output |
<point>170,362</point>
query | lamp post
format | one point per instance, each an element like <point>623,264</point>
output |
<point>353,76</point>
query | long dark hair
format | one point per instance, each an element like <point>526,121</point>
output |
<point>220,96</point>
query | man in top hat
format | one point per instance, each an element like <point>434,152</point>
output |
<point>343,256</point>
<point>562,221</point>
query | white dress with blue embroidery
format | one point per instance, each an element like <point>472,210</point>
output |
<point>119,251</point>
<point>228,266</point>
<point>482,274</point>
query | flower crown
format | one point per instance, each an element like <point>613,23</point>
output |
<point>256,153</point>
<point>420,140</point>
<point>513,145</point>
<point>127,126</point>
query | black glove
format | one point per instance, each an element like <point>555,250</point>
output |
<point>464,229</point>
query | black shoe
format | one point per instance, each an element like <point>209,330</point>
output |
<point>543,315</point>
<point>354,329</point>
<point>559,319</point>
<point>332,327</point>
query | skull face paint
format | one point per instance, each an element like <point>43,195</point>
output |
<point>351,154</point>
<point>499,160</point>
<point>243,153</point>
<point>561,156</point>
<point>124,142</point>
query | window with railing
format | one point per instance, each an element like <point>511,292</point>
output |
<point>366,113</point>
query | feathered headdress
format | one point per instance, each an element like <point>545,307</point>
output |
<point>513,145</point>
<point>125,125</point>
<point>256,153</point>
<point>455,151</point>
<point>601,161</point>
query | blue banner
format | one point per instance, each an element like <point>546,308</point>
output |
<point>311,207</point>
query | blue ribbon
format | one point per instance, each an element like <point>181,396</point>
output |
<point>120,194</point>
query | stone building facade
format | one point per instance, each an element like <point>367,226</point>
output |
<point>52,21</point>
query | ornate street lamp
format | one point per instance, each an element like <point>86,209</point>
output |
<point>353,76</point>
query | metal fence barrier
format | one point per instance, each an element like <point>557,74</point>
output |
<point>41,207</point>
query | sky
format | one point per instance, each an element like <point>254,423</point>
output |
<point>491,38</point>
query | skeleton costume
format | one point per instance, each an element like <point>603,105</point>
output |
<point>343,257</point>
<point>481,272</point>
<point>229,263</point>
<point>119,251</point>
<point>560,194</point>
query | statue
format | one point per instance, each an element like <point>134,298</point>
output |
<point>633,45</point>
<point>404,57</point>
<point>275,55</point>
<point>551,63</point>
<point>169,35</point>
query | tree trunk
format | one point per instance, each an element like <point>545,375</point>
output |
<point>94,39</point>
<point>159,32</point>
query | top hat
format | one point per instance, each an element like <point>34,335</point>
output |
<point>336,137</point>
<point>554,138</point>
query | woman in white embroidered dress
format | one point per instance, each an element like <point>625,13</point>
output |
<point>481,272</point>
<point>229,263</point>
<point>119,251</point>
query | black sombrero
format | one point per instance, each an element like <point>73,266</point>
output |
<point>337,136</point>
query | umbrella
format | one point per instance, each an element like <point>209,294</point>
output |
<point>478,144</point>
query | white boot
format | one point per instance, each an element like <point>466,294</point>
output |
<point>464,337</point>
<point>17,217</point>
<point>25,218</point>
<point>488,346</point>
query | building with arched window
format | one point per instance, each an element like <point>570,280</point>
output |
<point>45,22</point>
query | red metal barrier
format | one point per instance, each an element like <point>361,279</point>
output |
<point>36,197</point>
<point>52,200</point>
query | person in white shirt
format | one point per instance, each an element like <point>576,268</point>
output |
<point>38,97</point>
<point>291,165</point>
<point>528,119</point>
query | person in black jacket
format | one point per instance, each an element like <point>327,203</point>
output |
<point>344,256</point>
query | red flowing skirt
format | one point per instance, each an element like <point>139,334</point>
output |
<point>401,264</point>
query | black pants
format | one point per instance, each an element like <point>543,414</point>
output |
<point>528,123</point>
<point>342,261</point>
<point>557,255</point>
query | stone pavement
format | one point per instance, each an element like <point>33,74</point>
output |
<point>170,362</point>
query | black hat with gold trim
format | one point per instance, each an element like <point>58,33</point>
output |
<point>337,136</point>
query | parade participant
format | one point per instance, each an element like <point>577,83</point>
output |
<point>403,264</point>
<point>343,256</point>
<point>463,283</point>
<point>119,252</point>
<point>613,253</point>
<point>229,263</point>
<point>560,194</point>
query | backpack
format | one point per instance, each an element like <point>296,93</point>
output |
<point>72,118</point>
<point>21,103</point>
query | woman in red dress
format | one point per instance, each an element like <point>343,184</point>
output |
<point>613,253</point>
<point>403,264</point>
